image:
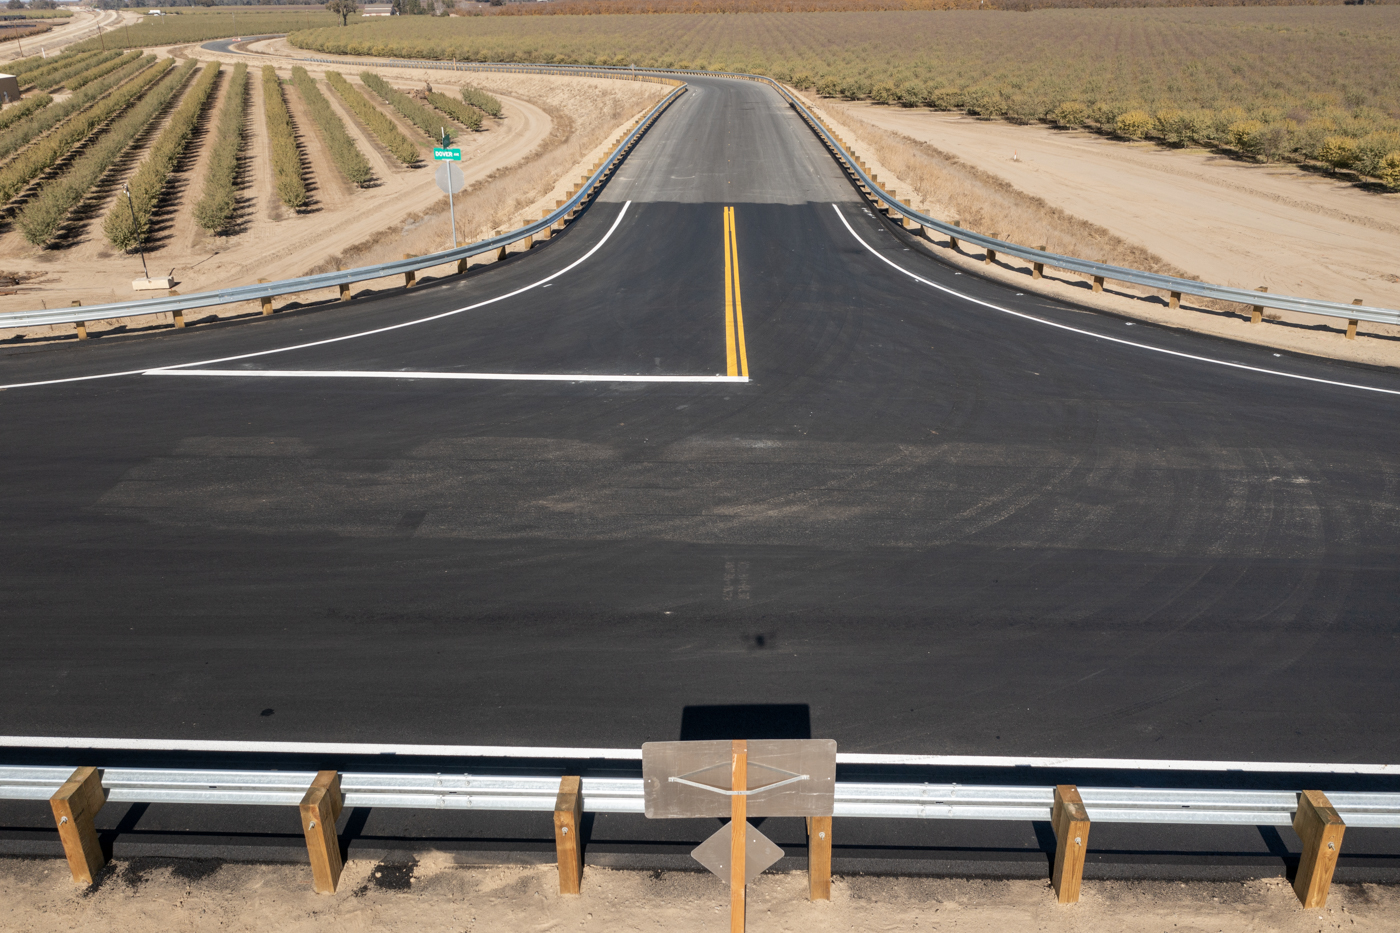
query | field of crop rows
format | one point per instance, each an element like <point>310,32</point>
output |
<point>1320,83</point>
<point>112,148</point>
<point>194,25</point>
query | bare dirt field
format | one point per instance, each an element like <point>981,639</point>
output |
<point>550,126</point>
<point>1195,212</point>
<point>433,893</point>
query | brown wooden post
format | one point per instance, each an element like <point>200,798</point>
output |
<point>1037,270</point>
<point>74,805</point>
<point>500,254</point>
<point>1351,325</point>
<point>1256,313</point>
<point>1321,829</point>
<point>1098,283</point>
<point>568,813</point>
<point>1071,824</point>
<point>179,317</point>
<point>544,234</point>
<point>1175,301</point>
<point>266,301</point>
<point>410,278</point>
<point>81,325</point>
<point>320,808</point>
<point>462,265</point>
<point>990,258</point>
<point>345,292</point>
<point>819,858</point>
<point>952,239</point>
<point>738,832</point>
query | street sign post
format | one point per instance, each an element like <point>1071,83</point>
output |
<point>759,777</point>
<point>450,179</point>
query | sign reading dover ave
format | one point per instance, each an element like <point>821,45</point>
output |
<point>447,155</point>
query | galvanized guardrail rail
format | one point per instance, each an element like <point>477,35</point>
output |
<point>176,305</point>
<point>1039,259</point>
<point>265,292</point>
<point>77,793</point>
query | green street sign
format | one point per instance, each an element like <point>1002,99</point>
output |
<point>447,155</point>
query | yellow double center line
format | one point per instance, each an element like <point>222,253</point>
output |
<point>735,353</point>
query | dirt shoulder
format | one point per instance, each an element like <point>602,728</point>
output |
<point>1223,221</point>
<point>433,893</point>
<point>551,129</point>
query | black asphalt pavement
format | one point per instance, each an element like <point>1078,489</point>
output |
<point>964,522</point>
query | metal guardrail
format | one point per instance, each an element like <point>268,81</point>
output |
<point>569,787</point>
<point>864,800</point>
<point>269,290</point>
<point>1167,283</point>
<point>1099,271</point>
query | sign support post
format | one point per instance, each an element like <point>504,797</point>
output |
<point>738,828</point>
<point>449,178</point>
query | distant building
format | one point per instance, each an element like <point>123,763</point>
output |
<point>377,10</point>
<point>9,88</point>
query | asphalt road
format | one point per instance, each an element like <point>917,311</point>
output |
<point>944,516</point>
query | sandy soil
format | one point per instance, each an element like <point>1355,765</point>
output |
<point>1228,222</point>
<point>435,894</point>
<point>394,216</point>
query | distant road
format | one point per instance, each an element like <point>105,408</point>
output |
<point>947,516</point>
<point>82,25</point>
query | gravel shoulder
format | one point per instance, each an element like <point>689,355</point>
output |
<point>1228,222</point>
<point>432,893</point>
<point>545,120</point>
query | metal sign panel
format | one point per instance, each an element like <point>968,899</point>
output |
<point>760,853</point>
<point>786,777</point>
<point>450,177</point>
<point>447,155</point>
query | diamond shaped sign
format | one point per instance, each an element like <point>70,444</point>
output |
<point>760,852</point>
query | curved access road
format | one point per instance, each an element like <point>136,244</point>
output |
<point>934,514</point>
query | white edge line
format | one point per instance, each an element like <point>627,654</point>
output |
<point>145,371</point>
<point>396,374</point>
<point>634,754</point>
<point>1089,333</point>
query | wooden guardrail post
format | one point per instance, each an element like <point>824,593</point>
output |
<point>81,325</point>
<point>266,300</point>
<point>990,257</point>
<point>345,291</point>
<point>1174,301</point>
<point>320,808</point>
<point>410,278</point>
<point>74,805</point>
<point>1098,283</point>
<point>178,315</point>
<point>1037,270</point>
<point>819,858</point>
<point>952,240</point>
<point>545,233</point>
<point>1321,829</point>
<point>1351,324</point>
<point>1256,313</point>
<point>568,814</point>
<point>1071,824</point>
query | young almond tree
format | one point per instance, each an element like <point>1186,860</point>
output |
<point>344,9</point>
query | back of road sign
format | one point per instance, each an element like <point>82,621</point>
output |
<point>786,777</point>
<point>450,178</point>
